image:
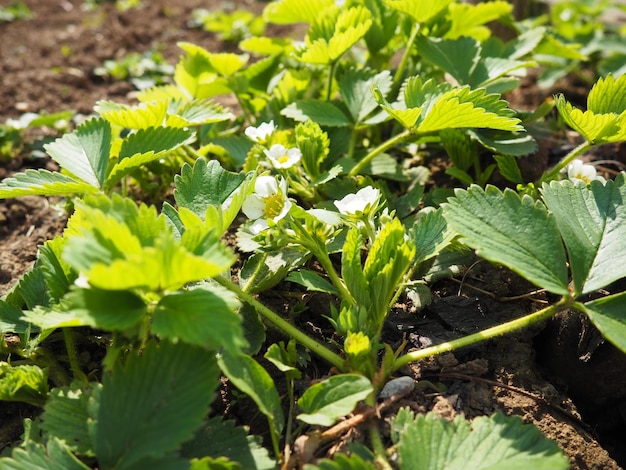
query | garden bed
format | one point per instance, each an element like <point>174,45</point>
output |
<point>558,375</point>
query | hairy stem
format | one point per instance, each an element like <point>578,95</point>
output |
<point>290,330</point>
<point>489,333</point>
<point>553,173</point>
<point>402,136</point>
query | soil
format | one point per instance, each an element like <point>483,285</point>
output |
<point>559,376</point>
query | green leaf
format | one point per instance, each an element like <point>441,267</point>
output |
<point>607,314</point>
<point>68,416</point>
<point>145,146</point>
<point>294,11</point>
<point>195,73</point>
<point>468,20</point>
<point>355,86</point>
<point>592,222</point>
<point>263,271</point>
<point>196,113</point>
<point>507,143</point>
<point>325,402</point>
<point>43,183</point>
<point>205,184</point>
<point>202,317</point>
<point>460,108</point>
<point>217,438</point>
<point>111,310</point>
<point>430,235</point>
<point>11,319</point>
<point>421,12</point>
<point>312,281</point>
<point>516,232</point>
<point>608,95</point>
<point>352,268</point>
<point>249,377</point>
<point>508,167</point>
<point>57,273</point>
<point>141,116</point>
<point>84,152</point>
<point>167,388</point>
<point>322,112</point>
<point>34,456</point>
<point>28,384</point>
<point>458,57</point>
<point>430,442</point>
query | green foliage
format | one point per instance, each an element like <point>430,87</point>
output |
<point>327,401</point>
<point>429,442</point>
<point>23,383</point>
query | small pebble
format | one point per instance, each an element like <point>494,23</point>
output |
<point>401,385</point>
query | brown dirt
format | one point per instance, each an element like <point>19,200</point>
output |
<point>541,375</point>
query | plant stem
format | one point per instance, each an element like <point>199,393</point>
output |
<point>70,345</point>
<point>329,85</point>
<point>489,333</point>
<point>566,161</point>
<point>293,332</point>
<point>378,150</point>
<point>397,79</point>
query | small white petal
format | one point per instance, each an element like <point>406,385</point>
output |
<point>326,216</point>
<point>258,226</point>
<point>265,186</point>
<point>260,133</point>
<point>253,206</point>
<point>359,202</point>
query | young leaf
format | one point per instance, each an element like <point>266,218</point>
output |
<point>202,317</point>
<point>312,281</point>
<point>468,20</point>
<point>263,271</point>
<point>430,235</point>
<point>249,377</point>
<point>26,383</point>
<point>196,113</point>
<point>167,388</point>
<point>43,183</point>
<point>514,231</point>
<point>85,152</point>
<point>426,441</point>
<point>608,95</point>
<point>327,401</point>
<point>607,314</point>
<point>142,116</point>
<point>57,273</point>
<point>592,222</point>
<point>217,438</point>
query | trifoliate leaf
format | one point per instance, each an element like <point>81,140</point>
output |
<point>142,116</point>
<point>168,387</point>
<point>430,442</point>
<point>217,438</point>
<point>253,380</point>
<point>84,152</point>
<point>327,401</point>
<point>607,314</point>
<point>43,183</point>
<point>204,317</point>
<point>27,383</point>
<point>322,112</point>
<point>294,11</point>
<point>592,222</point>
<point>516,232</point>
<point>421,12</point>
<point>355,86</point>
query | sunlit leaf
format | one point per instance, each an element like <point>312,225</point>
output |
<point>468,19</point>
<point>33,456</point>
<point>355,87</point>
<point>516,232</point>
<point>430,442</point>
<point>608,95</point>
<point>294,11</point>
<point>420,12</point>
<point>43,183</point>
<point>592,222</point>
<point>457,57</point>
<point>142,116</point>
<point>322,112</point>
<point>24,383</point>
<point>84,152</point>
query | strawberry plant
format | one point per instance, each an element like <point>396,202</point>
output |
<point>320,179</point>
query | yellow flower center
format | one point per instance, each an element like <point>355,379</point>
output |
<point>274,205</point>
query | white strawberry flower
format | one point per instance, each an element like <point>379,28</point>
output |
<point>281,157</point>
<point>365,200</point>
<point>268,203</point>
<point>260,133</point>
<point>579,171</point>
